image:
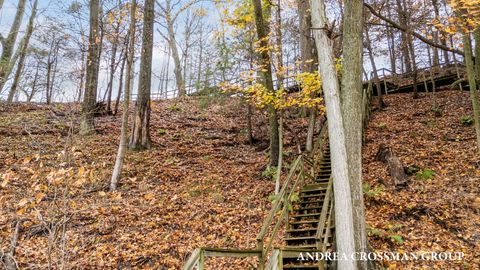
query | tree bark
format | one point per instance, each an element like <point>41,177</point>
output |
<point>120,80</point>
<point>345,241</point>
<point>476,35</point>
<point>402,17</point>
<point>266,68</point>
<point>87,126</point>
<point>113,67</point>
<point>351,102</point>
<point>309,61</point>
<point>23,52</point>
<point>436,36</point>
<point>391,42</point>
<point>122,147</point>
<point>9,43</point>
<point>140,138</point>
<point>378,87</point>
<point>473,85</point>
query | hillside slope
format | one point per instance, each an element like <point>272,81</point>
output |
<point>439,208</point>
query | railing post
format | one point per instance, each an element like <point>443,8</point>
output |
<point>201,260</point>
<point>261,257</point>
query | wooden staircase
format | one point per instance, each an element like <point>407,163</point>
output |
<point>307,218</point>
<point>304,206</point>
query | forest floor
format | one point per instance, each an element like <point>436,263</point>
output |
<point>203,185</point>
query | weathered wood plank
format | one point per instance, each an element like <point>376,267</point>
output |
<point>192,260</point>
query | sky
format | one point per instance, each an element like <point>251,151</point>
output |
<point>51,8</point>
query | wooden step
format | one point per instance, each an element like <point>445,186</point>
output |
<point>308,208</point>
<point>308,246</point>
<point>309,202</point>
<point>302,238</point>
<point>308,196</point>
<point>301,230</point>
<point>317,189</point>
<point>310,221</point>
<point>306,215</point>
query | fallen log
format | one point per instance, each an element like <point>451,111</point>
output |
<point>385,154</point>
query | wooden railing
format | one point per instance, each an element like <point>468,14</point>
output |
<point>197,258</point>
<point>282,203</point>
<point>325,221</point>
<point>296,178</point>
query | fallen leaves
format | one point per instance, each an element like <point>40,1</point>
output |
<point>437,208</point>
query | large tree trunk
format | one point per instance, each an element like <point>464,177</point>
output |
<point>476,35</point>
<point>351,101</point>
<point>403,19</point>
<point>122,147</point>
<point>8,44</point>
<point>87,126</point>
<point>140,138</point>
<point>345,241</point>
<point>23,52</point>
<point>309,60</point>
<point>266,68</point>
<point>472,84</point>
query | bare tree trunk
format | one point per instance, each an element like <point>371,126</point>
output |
<point>391,42</point>
<point>112,69</point>
<point>34,84</point>
<point>476,35</point>
<point>266,68</point>
<point>87,126</point>
<point>345,241</point>
<point>414,66</point>
<point>278,41</point>
<point>23,52</point>
<point>402,16</point>
<point>436,36</point>
<point>380,103</point>
<point>120,80</point>
<point>280,157</point>
<point>309,60</point>
<point>352,107</point>
<point>130,50</point>
<point>473,85</point>
<point>200,59</point>
<point>8,44</point>
<point>140,138</point>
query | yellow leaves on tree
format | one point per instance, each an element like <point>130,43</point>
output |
<point>467,15</point>
<point>309,96</point>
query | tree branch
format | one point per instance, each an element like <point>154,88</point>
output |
<point>413,33</point>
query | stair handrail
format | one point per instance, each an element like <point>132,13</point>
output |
<point>197,258</point>
<point>283,198</point>
<point>324,214</point>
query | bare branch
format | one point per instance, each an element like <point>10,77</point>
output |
<point>409,31</point>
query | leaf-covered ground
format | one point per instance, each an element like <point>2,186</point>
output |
<point>202,185</point>
<point>439,208</point>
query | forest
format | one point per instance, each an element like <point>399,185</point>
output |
<point>240,134</point>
